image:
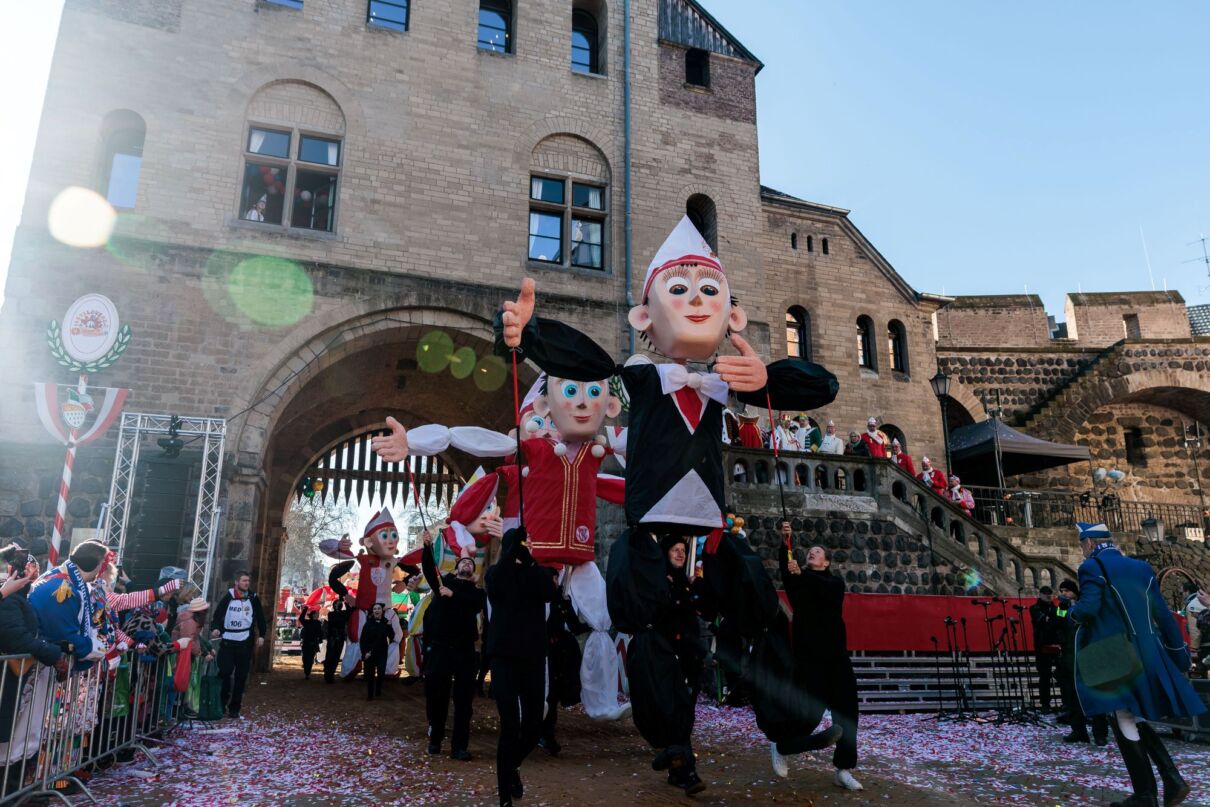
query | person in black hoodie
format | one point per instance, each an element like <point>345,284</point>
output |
<point>563,665</point>
<point>450,660</point>
<point>518,590</point>
<point>338,626</point>
<point>821,655</point>
<point>312,635</point>
<point>375,640</point>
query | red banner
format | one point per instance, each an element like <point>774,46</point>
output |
<point>898,622</point>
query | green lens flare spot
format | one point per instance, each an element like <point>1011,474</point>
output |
<point>273,292</point>
<point>490,373</point>
<point>462,363</point>
<point>434,351</point>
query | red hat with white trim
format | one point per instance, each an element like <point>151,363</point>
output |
<point>379,520</point>
<point>684,245</point>
<point>474,499</point>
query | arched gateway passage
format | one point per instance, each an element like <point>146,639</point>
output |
<point>419,365</point>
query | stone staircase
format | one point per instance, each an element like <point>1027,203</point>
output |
<point>888,532</point>
<point>1069,391</point>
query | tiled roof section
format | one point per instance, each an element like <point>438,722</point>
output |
<point>1199,319</point>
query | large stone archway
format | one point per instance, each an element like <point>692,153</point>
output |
<point>343,382</point>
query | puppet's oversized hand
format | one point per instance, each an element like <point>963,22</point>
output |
<point>745,372</point>
<point>346,544</point>
<point>392,447</point>
<point>517,313</point>
<point>494,527</point>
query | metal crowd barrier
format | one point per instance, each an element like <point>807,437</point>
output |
<point>52,733</point>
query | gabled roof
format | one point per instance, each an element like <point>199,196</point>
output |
<point>685,22</point>
<point>841,217</point>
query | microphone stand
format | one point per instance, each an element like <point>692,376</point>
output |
<point>951,636</point>
<point>970,682</point>
<point>997,693</point>
<point>940,690</point>
<point>1034,702</point>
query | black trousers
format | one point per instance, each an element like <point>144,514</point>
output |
<point>518,687</point>
<point>450,671</point>
<point>375,666</point>
<point>831,684</point>
<point>1065,674</point>
<point>234,660</point>
<point>335,650</point>
<point>308,658</point>
<point>1045,664</point>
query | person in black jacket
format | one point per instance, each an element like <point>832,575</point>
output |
<point>375,640</point>
<point>1048,638</point>
<point>1065,672</point>
<point>236,617</point>
<point>338,626</point>
<point>563,666</point>
<point>821,655</point>
<point>518,589</point>
<point>312,636</point>
<point>450,661</point>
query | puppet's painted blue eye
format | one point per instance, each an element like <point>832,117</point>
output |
<point>538,421</point>
<point>594,391</point>
<point>570,390</point>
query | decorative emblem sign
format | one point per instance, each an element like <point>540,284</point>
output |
<point>91,336</point>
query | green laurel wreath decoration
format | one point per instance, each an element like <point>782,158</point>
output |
<point>54,338</point>
<point>618,389</point>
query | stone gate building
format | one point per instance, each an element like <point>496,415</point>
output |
<point>307,190</point>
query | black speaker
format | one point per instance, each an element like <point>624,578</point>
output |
<point>164,501</point>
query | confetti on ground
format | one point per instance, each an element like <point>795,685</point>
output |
<point>306,744</point>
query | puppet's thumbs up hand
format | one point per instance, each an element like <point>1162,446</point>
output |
<point>517,313</point>
<point>745,372</point>
<point>392,447</point>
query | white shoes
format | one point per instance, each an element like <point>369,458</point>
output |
<point>781,765</point>
<point>845,779</point>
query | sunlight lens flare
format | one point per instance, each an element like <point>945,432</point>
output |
<point>80,217</point>
<point>273,292</point>
<point>434,351</point>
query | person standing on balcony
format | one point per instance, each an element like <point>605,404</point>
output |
<point>856,446</point>
<point>875,441</point>
<point>831,443</point>
<point>932,477</point>
<point>960,496</point>
<point>1130,663</point>
<point>902,458</point>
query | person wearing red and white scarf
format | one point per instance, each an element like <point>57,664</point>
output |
<point>932,477</point>
<point>874,440</point>
<point>901,458</point>
<point>961,496</point>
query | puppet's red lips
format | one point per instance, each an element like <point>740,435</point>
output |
<point>582,418</point>
<point>697,317</point>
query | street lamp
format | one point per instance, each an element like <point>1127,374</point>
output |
<point>941,388</point>
<point>1153,529</point>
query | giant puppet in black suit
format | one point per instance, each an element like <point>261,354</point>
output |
<point>674,469</point>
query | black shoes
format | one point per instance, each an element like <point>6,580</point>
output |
<point>1176,789</point>
<point>1076,737</point>
<point>688,781</point>
<point>674,756</point>
<point>462,755</point>
<point>434,748</point>
<point>518,789</point>
<point>550,745</point>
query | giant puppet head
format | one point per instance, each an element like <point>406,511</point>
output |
<point>475,518</point>
<point>381,538</point>
<point>534,423</point>
<point>686,309</point>
<point>576,409</point>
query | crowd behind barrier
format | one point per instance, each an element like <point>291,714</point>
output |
<point>58,730</point>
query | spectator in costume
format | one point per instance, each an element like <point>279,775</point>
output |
<point>239,621</point>
<point>875,441</point>
<point>1121,606</point>
<point>831,442</point>
<point>809,436</point>
<point>933,478</point>
<point>902,458</point>
<point>64,602</point>
<point>960,495</point>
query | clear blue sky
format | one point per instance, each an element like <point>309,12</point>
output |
<point>986,146</point>
<point>981,146</point>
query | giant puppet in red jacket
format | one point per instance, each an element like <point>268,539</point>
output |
<point>562,451</point>
<point>376,565</point>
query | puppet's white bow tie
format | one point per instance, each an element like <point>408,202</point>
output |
<point>674,377</point>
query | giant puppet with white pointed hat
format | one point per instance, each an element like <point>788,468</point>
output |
<point>674,465</point>
<point>376,564</point>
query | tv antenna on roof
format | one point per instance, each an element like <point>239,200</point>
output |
<point>1204,259</point>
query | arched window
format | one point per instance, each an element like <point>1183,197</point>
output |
<point>701,211</point>
<point>810,243</point>
<point>585,42</point>
<point>122,135</point>
<point>897,346</point>
<point>496,25</point>
<point>1135,453</point>
<point>793,240</point>
<point>893,432</point>
<point>569,204</point>
<point>865,344</point>
<point>823,244</point>
<point>291,173</point>
<point>697,67</point>
<point>798,333</point>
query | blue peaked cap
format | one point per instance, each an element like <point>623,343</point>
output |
<point>1092,532</point>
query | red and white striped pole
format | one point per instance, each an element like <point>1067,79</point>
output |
<point>56,537</point>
